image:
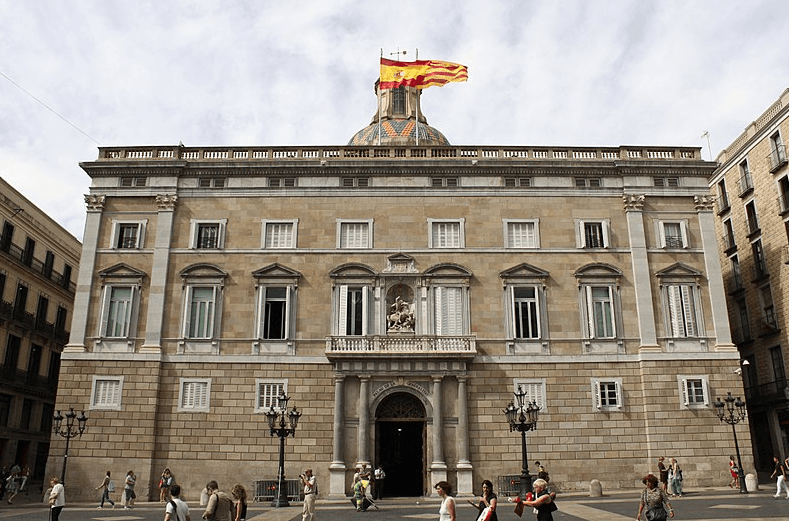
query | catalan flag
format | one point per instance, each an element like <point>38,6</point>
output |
<point>420,74</point>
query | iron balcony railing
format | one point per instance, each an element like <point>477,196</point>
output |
<point>24,258</point>
<point>777,157</point>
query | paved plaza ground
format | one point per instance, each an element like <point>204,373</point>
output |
<point>708,504</point>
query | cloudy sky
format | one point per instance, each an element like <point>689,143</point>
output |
<point>78,74</point>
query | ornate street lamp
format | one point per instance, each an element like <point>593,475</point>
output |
<point>277,425</point>
<point>523,418</point>
<point>68,431</point>
<point>733,412</point>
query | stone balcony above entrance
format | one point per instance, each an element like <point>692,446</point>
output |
<point>388,346</point>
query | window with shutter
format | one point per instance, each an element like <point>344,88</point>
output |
<point>195,394</point>
<point>106,392</point>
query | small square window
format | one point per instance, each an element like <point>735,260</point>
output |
<point>694,391</point>
<point>446,234</point>
<point>354,234</point>
<point>607,394</point>
<point>268,393</point>
<point>535,392</point>
<point>106,392</point>
<point>279,234</point>
<point>208,234</point>
<point>522,233</point>
<point>194,395</point>
<point>128,235</point>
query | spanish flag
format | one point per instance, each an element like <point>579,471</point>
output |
<point>420,74</point>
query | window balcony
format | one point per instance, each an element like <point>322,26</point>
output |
<point>777,158</point>
<point>772,391</point>
<point>728,242</point>
<point>406,346</point>
<point>746,185</point>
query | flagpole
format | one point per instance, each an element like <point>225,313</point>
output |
<point>378,92</point>
<point>418,92</point>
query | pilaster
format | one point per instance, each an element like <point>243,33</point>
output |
<point>642,282</point>
<point>161,259</point>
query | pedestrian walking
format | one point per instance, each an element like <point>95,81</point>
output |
<point>663,473</point>
<point>488,500</point>
<point>128,489</point>
<point>735,473</point>
<point>780,472</point>
<point>653,498</point>
<point>240,508</point>
<point>105,486</point>
<point>176,506</point>
<point>675,478</point>
<point>447,510</point>
<point>220,506</point>
<point>378,482</point>
<point>543,503</point>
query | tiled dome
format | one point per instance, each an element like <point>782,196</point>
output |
<point>398,132</point>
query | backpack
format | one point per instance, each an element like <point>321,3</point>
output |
<point>111,486</point>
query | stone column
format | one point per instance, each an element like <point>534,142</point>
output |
<point>712,263</point>
<point>337,467</point>
<point>161,261</point>
<point>87,263</point>
<point>438,468</point>
<point>362,453</point>
<point>642,282</point>
<point>464,468</point>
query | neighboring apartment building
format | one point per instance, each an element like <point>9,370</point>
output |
<point>37,260</point>
<point>399,294</point>
<point>752,188</point>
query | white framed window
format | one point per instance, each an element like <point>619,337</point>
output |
<point>106,392</point>
<point>681,302</point>
<point>607,394</point>
<point>267,392</point>
<point>592,233</point>
<point>525,301</point>
<point>279,234</point>
<point>353,234</point>
<point>600,311</point>
<point>535,391</point>
<point>117,310</point>
<point>448,310</point>
<point>521,233</point>
<point>128,235</point>
<point>446,233</point>
<point>274,305</point>
<point>200,311</point>
<point>673,234</point>
<point>207,235</point>
<point>353,311</point>
<point>693,391</point>
<point>194,395</point>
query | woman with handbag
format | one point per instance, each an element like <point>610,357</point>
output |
<point>487,501</point>
<point>653,498</point>
<point>543,504</point>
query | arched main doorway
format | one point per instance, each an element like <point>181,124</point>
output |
<point>399,447</point>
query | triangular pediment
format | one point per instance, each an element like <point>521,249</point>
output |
<point>679,270</point>
<point>122,270</point>
<point>524,271</point>
<point>276,270</point>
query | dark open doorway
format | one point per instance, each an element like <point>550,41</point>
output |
<point>400,431</point>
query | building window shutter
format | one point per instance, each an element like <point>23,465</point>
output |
<point>590,313</point>
<point>365,305</point>
<point>598,396</point>
<point>342,315</point>
<point>619,400</point>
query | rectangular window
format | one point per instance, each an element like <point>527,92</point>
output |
<point>354,234</point>
<point>607,394</point>
<point>268,393</point>
<point>282,182</point>
<point>526,312</point>
<point>274,315</point>
<point>768,308</point>
<point>27,253</point>
<point>200,319</point>
<point>279,234</point>
<point>353,312</point>
<point>777,360</point>
<point>777,152</point>
<point>127,235</point>
<point>694,391</point>
<point>444,182</point>
<point>750,214</point>
<point>760,264</point>
<point>588,182</point>
<point>106,392</point>
<point>127,182</point>
<point>11,359</point>
<point>746,182</point>
<point>7,236</point>
<point>522,233</point>
<point>358,182</point>
<point>592,234</point>
<point>446,234</point>
<point>194,395</point>
<point>49,262</point>
<point>118,311</point>
<point>723,196</point>
<point>514,182</point>
<point>600,311</point>
<point>728,235</point>
<point>207,234</point>
<point>448,302</point>
<point>673,234</point>
<point>681,310</point>
<point>5,409</point>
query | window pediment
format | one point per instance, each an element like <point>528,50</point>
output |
<point>276,271</point>
<point>448,270</point>
<point>598,270</point>
<point>206,273</point>
<point>678,270</point>
<point>523,271</point>
<point>352,269</point>
<point>122,271</point>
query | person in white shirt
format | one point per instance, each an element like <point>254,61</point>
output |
<point>57,498</point>
<point>176,505</point>
<point>310,494</point>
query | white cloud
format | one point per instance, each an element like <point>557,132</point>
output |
<point>263,73</point>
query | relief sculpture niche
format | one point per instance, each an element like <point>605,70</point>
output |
<point>400,317</point>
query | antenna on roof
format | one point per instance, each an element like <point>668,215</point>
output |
<point>706,134</point>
